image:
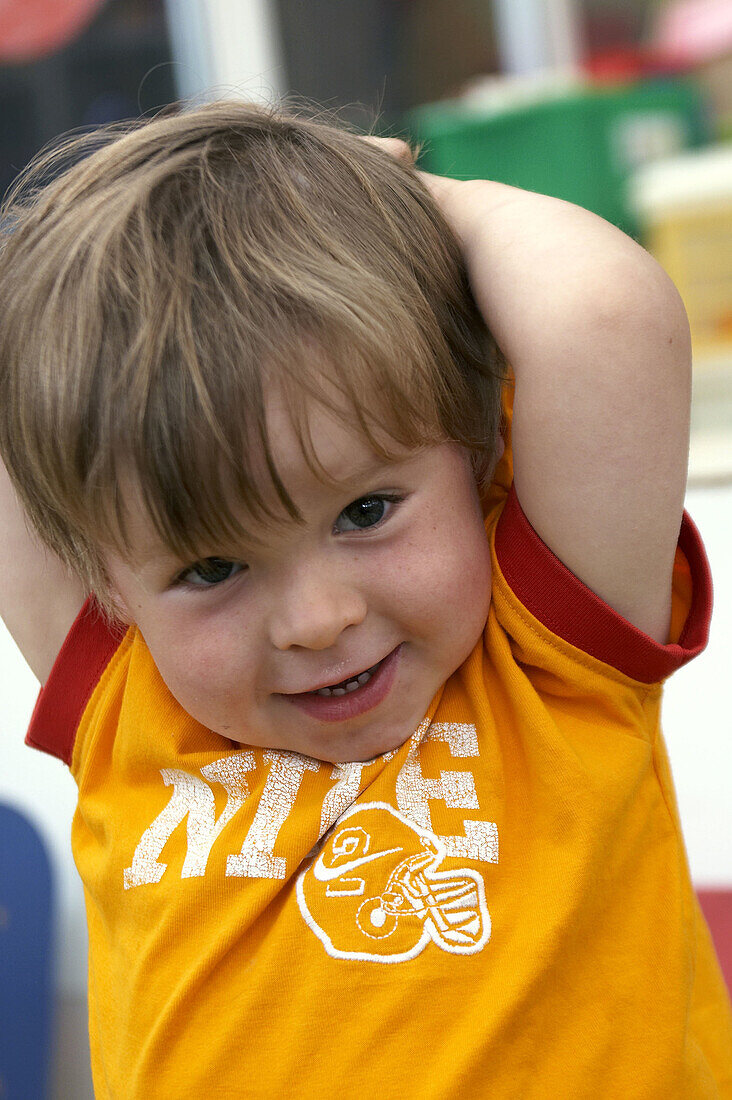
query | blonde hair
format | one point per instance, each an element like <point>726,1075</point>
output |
<point>151,291</point>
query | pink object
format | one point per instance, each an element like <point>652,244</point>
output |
<point>691,32</point>
<point>30,29</point>
<point>716,906</point>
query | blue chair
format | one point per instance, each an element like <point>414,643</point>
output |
<point>26,962</point>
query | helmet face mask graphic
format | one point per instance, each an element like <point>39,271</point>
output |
<point>384,902</point>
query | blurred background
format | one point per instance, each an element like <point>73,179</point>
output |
<point>622,106</point>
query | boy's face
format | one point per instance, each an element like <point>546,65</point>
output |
<point>392,566</point>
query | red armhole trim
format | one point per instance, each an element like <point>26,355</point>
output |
<point>567,607</point>
<point>85,654</point>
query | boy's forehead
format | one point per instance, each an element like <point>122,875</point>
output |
<point>342,450</point>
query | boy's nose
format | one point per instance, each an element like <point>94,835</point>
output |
<point>313,614</point>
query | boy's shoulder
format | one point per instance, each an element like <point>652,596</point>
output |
<point>564,625</point>
<point>83,657</point>
<point>538,596</point>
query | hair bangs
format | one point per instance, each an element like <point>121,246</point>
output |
<point>199,499</point>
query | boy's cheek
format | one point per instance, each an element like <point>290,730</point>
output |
<point>467,593</point>
<point>214,702</point>
<point>200,665</point>
<point>449,584</point>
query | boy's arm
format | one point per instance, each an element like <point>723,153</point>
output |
<point>599,343</point>
<point>39,599</point>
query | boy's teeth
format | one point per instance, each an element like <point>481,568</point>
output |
<point>350,685</point>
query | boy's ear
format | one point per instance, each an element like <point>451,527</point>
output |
<point>121,610</point>
<point>500,449</point>
<point>122,615</point>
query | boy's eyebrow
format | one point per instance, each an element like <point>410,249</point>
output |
<point>354,478</point>
<point>369,469</point>
<point>161,556</point>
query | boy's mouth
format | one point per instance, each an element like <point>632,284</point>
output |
<point>352,696</point>
<point>353,683</point>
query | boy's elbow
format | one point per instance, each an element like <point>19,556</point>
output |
<point>640,302</point>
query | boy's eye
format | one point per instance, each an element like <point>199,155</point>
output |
<point>367,512</point>
<point>208,573</point>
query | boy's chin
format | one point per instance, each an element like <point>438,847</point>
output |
<point>347,750</point>
<point>361,748</point>
<point>349,744</point>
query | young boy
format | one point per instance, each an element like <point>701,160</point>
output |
<point>363,709</point>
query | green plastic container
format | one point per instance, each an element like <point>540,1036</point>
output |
<point>581,146</point>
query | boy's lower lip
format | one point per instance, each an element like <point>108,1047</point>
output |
<point>337,708</point>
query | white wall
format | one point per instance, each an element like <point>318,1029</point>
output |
<point>697,712</point>
<point>226,48</point>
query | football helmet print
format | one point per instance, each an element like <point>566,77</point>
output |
<point>373,891</point>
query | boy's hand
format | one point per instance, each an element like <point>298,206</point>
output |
<point>395,147</point>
